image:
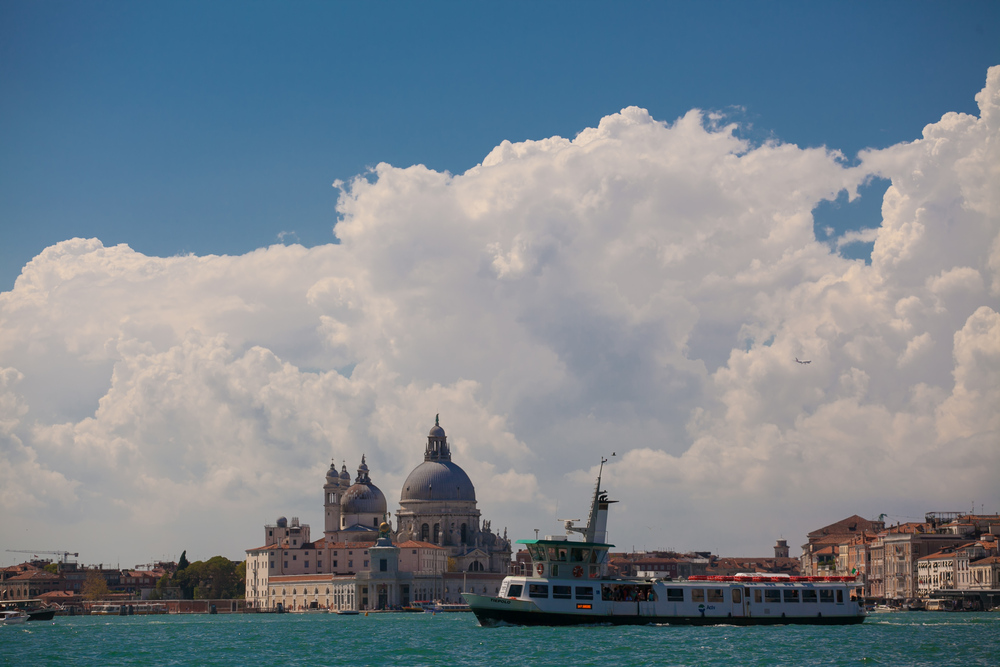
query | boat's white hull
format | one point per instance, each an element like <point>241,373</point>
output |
<point>518,611</point>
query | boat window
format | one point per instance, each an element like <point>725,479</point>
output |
<point>826,595</point>
<point>536,552</point>
<point>715,595</point>
<point>584,593</point>
<point>578,555</point>
<point>554,570</point>
<point>772,596</point>
<point>809,596</point>
<point>562,592</point>
<point>756,595</point>
<point>552,553</point>
<point>675,595</point>
<point>840,596</point>
<point>697,595</point>
<point>737,595</point>
<point>791,595</point>
<point>515,591</point>
<point>538,590</point>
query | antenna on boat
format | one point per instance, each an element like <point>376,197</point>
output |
<point>597,523</point>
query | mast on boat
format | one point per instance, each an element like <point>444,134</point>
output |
<point>597,522</point>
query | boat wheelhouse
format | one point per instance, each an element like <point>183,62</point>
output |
<point>568,584</point>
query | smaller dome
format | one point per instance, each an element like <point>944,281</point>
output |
<point>344,475</point>
<point>332,473</point>
<point>363,499</point>
<point>282,522</point>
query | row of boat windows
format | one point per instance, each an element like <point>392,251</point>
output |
<point>628,593</point>
<point>558,592</point>
<point>563,554</point>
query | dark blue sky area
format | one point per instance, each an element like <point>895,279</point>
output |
<point>213,127</point>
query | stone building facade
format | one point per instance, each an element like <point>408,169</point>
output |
<point>440,547</point>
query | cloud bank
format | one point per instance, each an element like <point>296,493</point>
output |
<point>642,289</point>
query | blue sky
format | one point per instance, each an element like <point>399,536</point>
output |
<point>192,127</point>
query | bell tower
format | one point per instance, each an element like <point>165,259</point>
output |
<point>331,502</point>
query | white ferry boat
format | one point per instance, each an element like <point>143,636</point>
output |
<point>106,610</point>
<point>569,585</point>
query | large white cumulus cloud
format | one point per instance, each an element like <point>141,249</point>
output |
<point>641,289</point>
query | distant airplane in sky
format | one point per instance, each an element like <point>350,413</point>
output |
<point>803,362</point>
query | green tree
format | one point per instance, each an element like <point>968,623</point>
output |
<point>52,567</point>
<point>241,580</point>
<point>182,562</point>
<point>95,587</point>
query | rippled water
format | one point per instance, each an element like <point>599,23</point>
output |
<point>915,638</point>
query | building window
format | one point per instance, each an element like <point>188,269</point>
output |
<point>286,563</point>
<point>437,531</point>
<point>307,563</point>
<point>425,533</point>
<point>383,565</point>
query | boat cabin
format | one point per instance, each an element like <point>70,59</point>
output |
<point>558,558</point>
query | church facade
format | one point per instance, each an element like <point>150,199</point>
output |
<point>439,549</point>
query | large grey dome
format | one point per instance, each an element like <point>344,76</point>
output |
<point>363,499</point>
<point>438,480</point>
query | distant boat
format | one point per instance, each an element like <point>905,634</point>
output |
<point>13,617</point>
<point>348,612</point>
<point>106,610</point>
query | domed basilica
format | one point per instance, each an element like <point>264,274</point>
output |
<point>440,546</point>
<point>437,505</point>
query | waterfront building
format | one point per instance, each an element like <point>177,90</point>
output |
<point>984,574</point>
<point>821,552</point>
<point>439,549</point>
<point>904,545</point>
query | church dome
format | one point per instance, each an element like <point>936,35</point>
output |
<point>363,499</point>
<point>438,480</point>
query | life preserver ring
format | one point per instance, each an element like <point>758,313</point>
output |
<point>577,571</point>
<point>539,568</point>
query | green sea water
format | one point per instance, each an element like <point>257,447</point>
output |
<point>914,638</point>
